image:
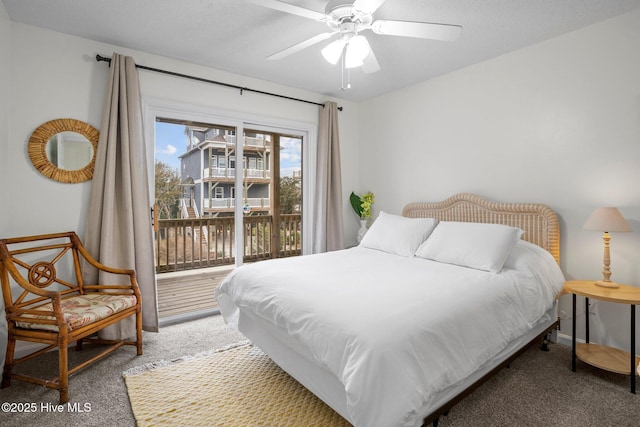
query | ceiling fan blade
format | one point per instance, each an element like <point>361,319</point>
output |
<point>367,6</point>
<point>289,8</point>
<point>302,45</point>
<point>422,30</point>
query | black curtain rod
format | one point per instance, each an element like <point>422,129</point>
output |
<point>200,79</point>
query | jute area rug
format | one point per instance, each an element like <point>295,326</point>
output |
<point>234,386</point>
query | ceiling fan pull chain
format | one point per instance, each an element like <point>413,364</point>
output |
<point>342,70</point>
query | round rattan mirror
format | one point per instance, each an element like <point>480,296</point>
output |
<point>58,139</point>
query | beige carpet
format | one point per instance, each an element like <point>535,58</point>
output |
<point>235,386</point>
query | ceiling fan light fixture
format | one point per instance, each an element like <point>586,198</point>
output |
<point>333,51</point>
<point>357,49</point>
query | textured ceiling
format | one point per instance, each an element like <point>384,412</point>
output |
<point>237,35</point>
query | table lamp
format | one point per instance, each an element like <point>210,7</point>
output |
<point>606,220</point>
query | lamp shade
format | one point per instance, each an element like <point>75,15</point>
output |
<point>357,50</point>
<point>333,51</point>
<point>606,219</point>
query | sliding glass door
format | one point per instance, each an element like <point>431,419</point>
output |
<point>273,173</point>
<point>225,200</point>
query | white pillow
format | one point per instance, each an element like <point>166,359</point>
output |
<point>397,234</point>
<point>470,244</point>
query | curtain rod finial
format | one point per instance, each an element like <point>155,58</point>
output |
<point>103,58</point>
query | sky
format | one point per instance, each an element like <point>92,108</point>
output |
<point>290,155</point>
<point>172,142</point>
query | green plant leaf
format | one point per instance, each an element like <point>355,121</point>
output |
<point>356,203</point>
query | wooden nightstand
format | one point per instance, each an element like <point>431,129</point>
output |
<point>600,356</point>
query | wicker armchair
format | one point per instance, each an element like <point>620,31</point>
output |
<point>46,301</point>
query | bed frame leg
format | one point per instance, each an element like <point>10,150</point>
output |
<point>545,342</point>
<point>435,422</point>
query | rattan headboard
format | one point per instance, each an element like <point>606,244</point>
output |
<point>539,222</point>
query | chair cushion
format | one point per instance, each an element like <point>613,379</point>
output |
<point>82,310</point>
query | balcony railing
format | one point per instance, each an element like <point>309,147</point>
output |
<point>249,141</point>
<point>221,203</point>
<point>186,244</point>
<point>231,173</point>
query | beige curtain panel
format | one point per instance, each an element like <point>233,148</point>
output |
<point>119,229</point>
<point>328,233</point>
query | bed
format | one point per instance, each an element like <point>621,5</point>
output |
<point>395,331</point>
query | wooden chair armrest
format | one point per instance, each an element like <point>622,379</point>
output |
<point>97,264</point>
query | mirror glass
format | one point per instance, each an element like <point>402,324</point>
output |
<point>69,150</point>
<point>64,150</point>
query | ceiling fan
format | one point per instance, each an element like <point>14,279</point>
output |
<point>346,19</point>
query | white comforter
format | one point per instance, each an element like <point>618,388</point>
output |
<point>394,330</point>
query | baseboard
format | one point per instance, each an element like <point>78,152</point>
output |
<point>167,321</point>
<point>565,339</point>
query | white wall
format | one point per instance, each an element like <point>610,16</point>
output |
<point>555,123</point>
<point>5,104</point>
<point>5,134</point>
